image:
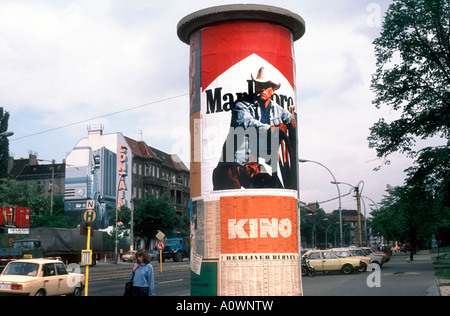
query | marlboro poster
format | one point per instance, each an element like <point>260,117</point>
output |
<point>243,107</point>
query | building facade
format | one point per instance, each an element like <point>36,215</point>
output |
<point>50,176</point>
<point>111,170</point>
<point>351,218</point>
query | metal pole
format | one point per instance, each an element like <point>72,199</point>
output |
<point>337,186</point>
<point>117,216</point>
<point>87,266</point>
<point>358,193</point>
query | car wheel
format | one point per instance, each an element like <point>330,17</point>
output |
<point>40,293</point>
<point>363,267</point>
<point>347,269</point>
<point>77,292</point>
<point>177,257</point>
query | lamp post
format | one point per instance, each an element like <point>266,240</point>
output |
<point>365,222</point>
<point>53,180</point>
<point>6,134</point>
<point>358,192</point>
<point>337,186</point>
<point>314,227</point>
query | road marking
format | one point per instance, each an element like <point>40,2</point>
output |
<point>172,281</point>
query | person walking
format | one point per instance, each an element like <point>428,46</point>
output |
<point>142,274</point>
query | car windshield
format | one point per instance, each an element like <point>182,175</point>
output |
<point>171,242</point>
<point>342,253</point>
<point>22,268</point>
<point>358,252</point>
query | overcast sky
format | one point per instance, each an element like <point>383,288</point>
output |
<point>68,64</point>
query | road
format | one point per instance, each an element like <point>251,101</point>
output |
<point>397,277</point>
<point>109,280</point>
<point>166,284</point>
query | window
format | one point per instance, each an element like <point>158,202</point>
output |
<point>21,268</point>
<point>48,270</point>
<point>328,255</point>
<point>60,269</point>
<point>314,256</point>
<point>342,254</point>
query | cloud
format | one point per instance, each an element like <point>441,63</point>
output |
<point>67,61</point>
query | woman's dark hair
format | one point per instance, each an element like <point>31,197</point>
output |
<point>144,254</point>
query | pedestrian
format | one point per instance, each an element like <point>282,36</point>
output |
<point>142,274</point>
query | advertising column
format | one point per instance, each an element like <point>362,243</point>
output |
<point>244,179</point>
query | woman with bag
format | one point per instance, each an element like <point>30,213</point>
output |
<point>142,275</point>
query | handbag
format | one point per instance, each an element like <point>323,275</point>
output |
<point>129,287</point>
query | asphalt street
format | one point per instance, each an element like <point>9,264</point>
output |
<point>398,277</point>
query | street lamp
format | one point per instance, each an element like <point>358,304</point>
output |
<point>365,222</point>
<point>337,186</point>
<point>53,179</point>
<point>6,134</point>
<point>314,227</point>
<point>358,193</point>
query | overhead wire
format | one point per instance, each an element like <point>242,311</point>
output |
<point>98,117</point>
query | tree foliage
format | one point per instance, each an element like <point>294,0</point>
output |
<point>413,75</point>
<point>4,144</point>
<point>152,214</point>
<point>326,228</point>
<point>413,78</point>
<point>21,193</point>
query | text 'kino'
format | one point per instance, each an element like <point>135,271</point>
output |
<point>259,228</point>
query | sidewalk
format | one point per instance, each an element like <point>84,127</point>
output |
<point>424,255</point>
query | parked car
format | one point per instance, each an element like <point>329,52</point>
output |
<point>382,256</point>
<point>346,253</point>
<point>373,257</point>
<point>40,277</point>
<point>326,260</point>
<point>129,256</point>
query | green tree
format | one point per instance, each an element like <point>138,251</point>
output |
<point>413,78</point>
<point>20,193</point>
<point>324,227</point>
<point>413,75</point>
<point>152,214</point>
<point>57,219</point>
<point>407,214</point>
<point>4,144</point>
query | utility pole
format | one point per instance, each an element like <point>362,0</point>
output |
<point>358,211</point>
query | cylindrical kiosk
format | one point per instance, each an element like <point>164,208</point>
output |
<point>244,179</point>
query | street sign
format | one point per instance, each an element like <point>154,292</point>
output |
<point>160,235</point>
<point>89,216</point>
<point>86,257</point>
<point>90,204</point>
<point>160,245</point>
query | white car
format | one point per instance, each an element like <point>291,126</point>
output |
<point>40,277</point>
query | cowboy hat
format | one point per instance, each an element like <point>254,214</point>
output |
<point>265,76</point>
